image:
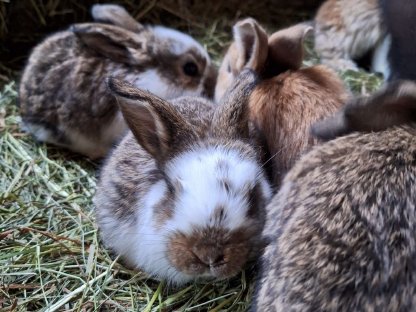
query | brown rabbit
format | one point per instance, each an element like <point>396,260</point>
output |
<point>289,99</point>
<point>346,30</point>
<point>183,195</point>
<point>342,228</point>
<point>63,96</point>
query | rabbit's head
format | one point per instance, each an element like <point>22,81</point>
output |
<point>164,61</point>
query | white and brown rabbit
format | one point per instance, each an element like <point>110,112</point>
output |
<point>183,195</point>
<point>342,228</point>
<point>346,30</point>
<point>63,93</point>
<point>289,99</point>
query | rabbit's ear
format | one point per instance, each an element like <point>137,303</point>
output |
<point>286,48</point>
<point>113,42</point>
<point>231,117</point>
<point>251,43</point>
<point>394,105</point>
<point>156,124</point>
<point>116,15</point>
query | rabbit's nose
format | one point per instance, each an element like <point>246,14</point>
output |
<point>211,257</point>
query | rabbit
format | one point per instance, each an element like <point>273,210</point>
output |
<point>399,17</point>
<point>341,230</point>
<point>346,30</point>
<point>289,99</point>
<point>62,89</point>
<point>182,196</point>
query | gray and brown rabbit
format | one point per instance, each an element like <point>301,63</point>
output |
<point>63,95</point>
<point>342,227</point>
<point>183,195</point>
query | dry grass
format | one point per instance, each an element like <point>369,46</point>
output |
<point>51,258</point>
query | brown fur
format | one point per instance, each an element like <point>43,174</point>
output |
<point>285,50</point>
<point>162,137</point>
<point>228,251</point>
<point>289,99</point>
<point>341,229</point>
<point>248,50</point>
<point>284,107</point>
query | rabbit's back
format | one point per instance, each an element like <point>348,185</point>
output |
<point>50,62</point>
<point>343,228</point>
<point>285,106</point>
<point>61,94</point>
<point>56,68</point>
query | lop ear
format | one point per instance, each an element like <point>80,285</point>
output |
<point>113,42</point>
<point>116,15</point>
<point>286,48</point>
<point>155,123</point>
<point>394,105</point>
<point>251,43</point>
<point>231,117</point>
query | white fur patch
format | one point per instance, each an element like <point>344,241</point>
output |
<point>200,173</point>
<point>380,63</point>
<point>151,80</point>
<point>39,132</point>
<point>142,244</point>
<point>150,251</point>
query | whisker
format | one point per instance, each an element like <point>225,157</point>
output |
<point>271,158</point>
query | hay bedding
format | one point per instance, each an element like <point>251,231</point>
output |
<point>51,258</point>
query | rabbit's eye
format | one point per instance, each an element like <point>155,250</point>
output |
<point>190,69</point>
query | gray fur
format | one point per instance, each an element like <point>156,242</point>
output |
<point>346,30</point>
<point>342,227</point>
<point>63,95</point>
